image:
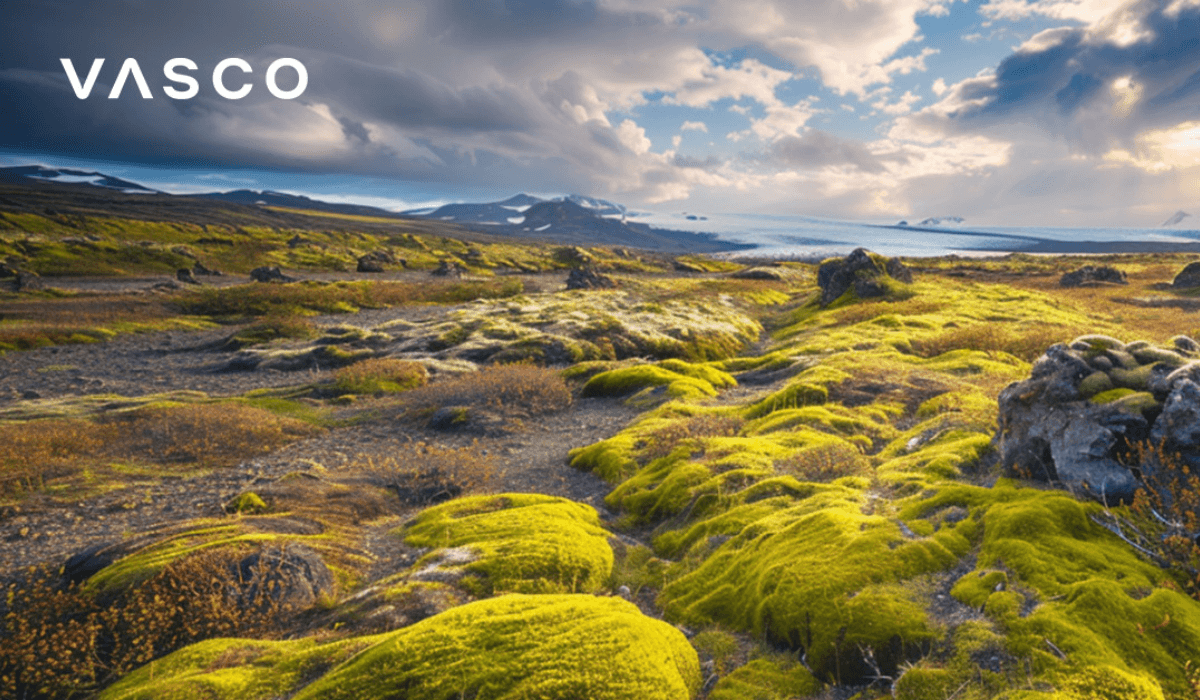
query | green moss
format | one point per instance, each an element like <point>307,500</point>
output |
<point>820,576</point>
<point>247,502</point>
<point>1139,402</point>
<point>610,459</point>
<point>792,396</point>
<point>515,647</point>
<point>525,543</point>
<point>924,684</point>
<point>1095,383</point>
<point>1131,378</point>
<point>1112,395</point>
<point>508,648</point>
<point>773,678</point>
<point>234,669</point>
<point>683,379</point>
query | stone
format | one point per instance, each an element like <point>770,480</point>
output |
<point>368,264</point>
<point>290,577</point>
<point>375,261</point>
<point>449,417</point>
<point>862,271</point>
<point>589,278</point>
<point>1189,276</point>
<point>28,281</point>
<point>449,269</point>
<point>269,274</point>
<point>184,275</point>
<point>200,269</point>
<point>1065,424</point>
<point>1092,276</point>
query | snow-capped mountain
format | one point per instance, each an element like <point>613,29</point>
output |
<point>75,177</point>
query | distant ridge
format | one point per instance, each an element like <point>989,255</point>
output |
<point>74,177</point>
<point>1176,218</point>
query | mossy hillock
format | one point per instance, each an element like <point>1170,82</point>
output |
<point>511,647</point>
<point>519,543</point>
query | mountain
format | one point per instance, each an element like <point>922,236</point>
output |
<point>574,220</point>
<point>295,201</point>
<point>74,177</point>
<point>1175,219</point>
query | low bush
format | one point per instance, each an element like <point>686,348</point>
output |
<point>269,329</point>
<point>515,390</point>
<point>207,435</point>
<point>62,641</point>
<point>251,300</point>
<point>420,473</point>
<point>380,375</point>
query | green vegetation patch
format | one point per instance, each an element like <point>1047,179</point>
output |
<point>766,679</point>
<point>524,543</point>
<point>822,577</point>
<point>508,648</point>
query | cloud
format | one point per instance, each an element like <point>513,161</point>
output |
<point>818,149</point>
<point>694,126</point>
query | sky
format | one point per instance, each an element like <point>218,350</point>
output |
<point>1004,112</point>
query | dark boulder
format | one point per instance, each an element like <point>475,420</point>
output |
<point>288,577</point>
<point>28,281</point>
<point>375,261</point>
<point>449,269</point>
<point>184,275</point>
<point>200,269</point>
<point>1091,276</point>
<point>869,275</point>
<point>589,278</point>
<point>1189,276</point>
<point>1096,415</point>
<point>269,274</point>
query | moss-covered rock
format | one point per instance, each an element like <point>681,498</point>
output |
<point>526,543</point>
<point>508,648</point>
<point>766,679</point>
<point>821,576</point>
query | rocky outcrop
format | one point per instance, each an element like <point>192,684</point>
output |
<point>200,269</point>
<point>868,274</point>
<point>375,261</point>
<point>1189,276</point>
<point>1097,415</point>
<point>288,577</point>
<point>269,274</point>
<point>449,269</point>
<point>589,278</point>
<point>1092,276</point>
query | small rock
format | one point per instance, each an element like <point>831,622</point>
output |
<point>862,271</point>
<point>200,269</point>
<point>269,274</point>
<point>30,394</point>
<point>1092,276</point>
<point>184,275</point>
<point>1189,276</point>
<point>589,278</point>
<point>449,269</point>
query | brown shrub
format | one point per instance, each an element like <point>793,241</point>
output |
<point>208,435</point>
<point>59,641</point>
<point>420,473</point>
<point>516,390</point>
<point>663,441</point>
<point>825,463</point>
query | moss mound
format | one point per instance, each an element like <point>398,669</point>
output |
<point>508,648</point>
<point>524,543</point>
<point>823,577</point>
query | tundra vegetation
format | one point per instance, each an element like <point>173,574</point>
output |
<point>810,502</point>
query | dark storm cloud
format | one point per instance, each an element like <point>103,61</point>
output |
<point>1063,82</point>
<point>384,116</point>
